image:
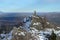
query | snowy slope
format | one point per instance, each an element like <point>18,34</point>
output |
<point>38,35</point>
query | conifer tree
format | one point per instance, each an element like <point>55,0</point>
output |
<point>53,36</point>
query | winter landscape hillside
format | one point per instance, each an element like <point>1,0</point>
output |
<point>34,28</point>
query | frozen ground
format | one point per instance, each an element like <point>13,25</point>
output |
<point>39,35</point>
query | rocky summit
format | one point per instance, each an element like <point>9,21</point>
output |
<point>34,28</point>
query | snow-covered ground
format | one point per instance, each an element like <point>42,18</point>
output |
<point>38,35</point>
<point>6,36</point>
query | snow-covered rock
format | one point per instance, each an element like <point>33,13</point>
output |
<point>48,23</point>
<point>35,16</point>
<point>22,33</point>
<point>38,23</point>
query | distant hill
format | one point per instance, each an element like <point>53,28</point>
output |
<point>14,14</point>
<point>53,17</point>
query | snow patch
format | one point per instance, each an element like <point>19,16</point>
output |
<point>37,23</point>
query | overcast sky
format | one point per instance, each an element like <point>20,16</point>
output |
<point>30,5</point>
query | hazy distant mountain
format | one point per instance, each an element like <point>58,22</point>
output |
<point>14,14</point>
<point>53,17</point>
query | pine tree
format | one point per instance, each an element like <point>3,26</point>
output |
<point>53,36</point>
<point>44,22</point>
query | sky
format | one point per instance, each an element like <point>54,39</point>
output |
<point>30,5</point>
